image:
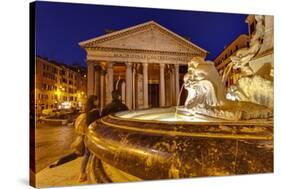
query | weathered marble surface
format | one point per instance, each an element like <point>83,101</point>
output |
<point>251,97</point>
<point>161,150</point>
<point>148,42</point>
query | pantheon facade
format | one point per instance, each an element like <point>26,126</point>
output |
<point>143,62</point>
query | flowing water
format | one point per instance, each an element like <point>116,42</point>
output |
<point>178,101</point>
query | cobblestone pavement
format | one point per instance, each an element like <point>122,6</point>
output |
<point>51,143</point>
<point>63,175</point>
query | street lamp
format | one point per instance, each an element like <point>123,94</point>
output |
<point>58,93</point>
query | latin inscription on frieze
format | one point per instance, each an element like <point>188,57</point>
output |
<point>148,57</point>
<point>141,57</point>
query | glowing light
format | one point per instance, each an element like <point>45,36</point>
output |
<point>58,92</point>
<point>166,117</point>
<point>65,105</point>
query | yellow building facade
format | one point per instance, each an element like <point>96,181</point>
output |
<point>59,86</point>
<point>223,59</point>
<point>242,41</point>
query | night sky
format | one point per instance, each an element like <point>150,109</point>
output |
<point>61,26</point>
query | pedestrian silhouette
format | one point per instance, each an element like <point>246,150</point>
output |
<point>115,106</point>
<point>81,125</point>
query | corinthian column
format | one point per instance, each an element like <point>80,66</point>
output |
<point>145,85</point>
<point>110,82</point>
<point>97,70</point>
<point>172,84</point>
<point>90,78</point>
<point>134,87</point>
<point>177,81</point>
<point>162,85</point>
<point>102,94</point>
<point>129,85</point>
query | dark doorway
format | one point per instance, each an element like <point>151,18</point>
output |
<point>153,95</point>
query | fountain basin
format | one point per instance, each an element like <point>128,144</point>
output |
<point>154,144</point>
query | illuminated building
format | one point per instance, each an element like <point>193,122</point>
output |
<point>146,63</point>
<point>59,85</point>
<point>242,41</point>
<point>223,59</point>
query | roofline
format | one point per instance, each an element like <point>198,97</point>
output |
<point>241,35</point>
<point>111,34</point>
<point>82,43</point>
<point>184,39</point>
<point>60,65</point>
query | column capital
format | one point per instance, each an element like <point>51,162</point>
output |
<point>145,64</point>
<point>162,65</point>
<point>103,71</point>
<point>110,65</point>
<point>91,62</point>
<point>96,66</point>
<point>177,65</point>
<point>128,64</point>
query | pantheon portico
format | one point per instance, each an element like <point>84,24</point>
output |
<point>141,61</point>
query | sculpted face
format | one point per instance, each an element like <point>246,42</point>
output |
<point>259,18</point>
<point>187,80</point>
<point>190,79</point>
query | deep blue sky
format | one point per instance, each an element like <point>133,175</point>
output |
<point>60,26</point>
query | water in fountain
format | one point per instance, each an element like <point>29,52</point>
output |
<point>226,72</point>
<point>178,101</point>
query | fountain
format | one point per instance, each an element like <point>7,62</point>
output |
<point>212,134</point>
<point>178,101</point>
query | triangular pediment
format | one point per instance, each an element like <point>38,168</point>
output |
<point>147,36</point>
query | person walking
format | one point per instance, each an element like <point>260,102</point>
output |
<point>115,106</point>
<point>78,146</point>
<point>92,114</point>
